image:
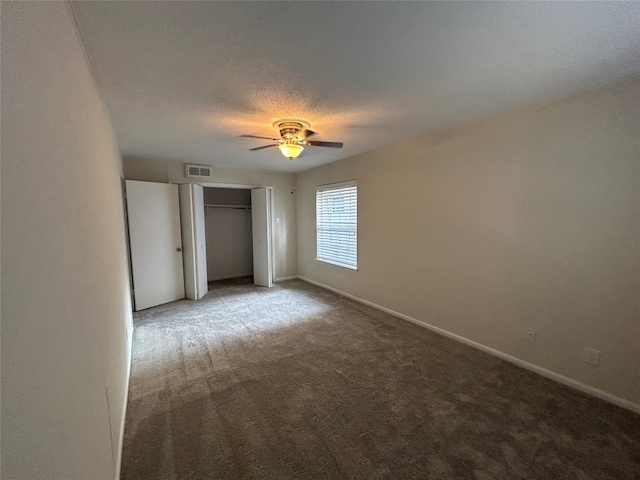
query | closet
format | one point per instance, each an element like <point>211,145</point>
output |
<point>228,232</point>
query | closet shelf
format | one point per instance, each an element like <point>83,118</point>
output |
<point>215,205</point>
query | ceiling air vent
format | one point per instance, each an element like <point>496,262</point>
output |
<point>197,171</point>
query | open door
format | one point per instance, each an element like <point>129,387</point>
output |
<point>194,241</point>
<point>261,232</point>
<point>156,247</point>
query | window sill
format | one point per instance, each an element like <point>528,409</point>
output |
<point>348,267</point>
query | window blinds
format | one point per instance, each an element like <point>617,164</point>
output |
<point>337,224</point>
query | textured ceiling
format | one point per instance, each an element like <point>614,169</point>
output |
<point>182,80</point>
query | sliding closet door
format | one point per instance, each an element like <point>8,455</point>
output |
<point>156,247</point>
<point>261,231</point>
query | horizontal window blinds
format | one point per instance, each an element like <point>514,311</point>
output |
<point>337,224</point>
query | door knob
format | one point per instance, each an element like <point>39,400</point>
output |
<point>178,249</point>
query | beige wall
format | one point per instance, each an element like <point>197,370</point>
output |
<point>66,318</point>
<point>523,221</point>
<point>284,237</point>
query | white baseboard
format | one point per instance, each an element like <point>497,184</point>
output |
<point>124,407</point>
<point>621,402</point>
<point>284,279</point>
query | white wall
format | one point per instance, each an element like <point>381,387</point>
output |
<point>65,288</point>
<point>526,220</point>
<point>228,234</point>
<point>284,232</point>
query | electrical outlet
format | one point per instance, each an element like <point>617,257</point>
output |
<point>592,356</point>
<point>531,335</point>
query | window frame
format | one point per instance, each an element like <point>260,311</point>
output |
<point>338,186</point>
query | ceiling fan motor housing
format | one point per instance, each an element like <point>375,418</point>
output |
<point>291,128</point>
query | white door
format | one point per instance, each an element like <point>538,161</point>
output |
<point>194,253</point>
<point>261,231</point>
<point>156,247</point>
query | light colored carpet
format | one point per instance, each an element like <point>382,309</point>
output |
<point>296,382</point>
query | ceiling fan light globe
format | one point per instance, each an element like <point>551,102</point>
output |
<point>291,150</point>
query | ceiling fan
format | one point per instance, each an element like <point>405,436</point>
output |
<point>293,138</point>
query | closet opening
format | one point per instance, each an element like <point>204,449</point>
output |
<point>229,236</point>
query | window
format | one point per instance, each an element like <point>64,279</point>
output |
<point>337,224</point>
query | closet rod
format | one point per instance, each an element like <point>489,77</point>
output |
<point>212,205</point>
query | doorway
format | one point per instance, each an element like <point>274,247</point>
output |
<point>235,227</point>
<point>228,232</point>
<point>238,232</point>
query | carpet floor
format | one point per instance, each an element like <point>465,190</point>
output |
<point>297,382</point>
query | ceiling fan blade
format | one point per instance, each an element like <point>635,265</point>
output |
<point>326,144</point>
<point>254,136</point>
<point>308,133</point>
<point>266,146</point>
